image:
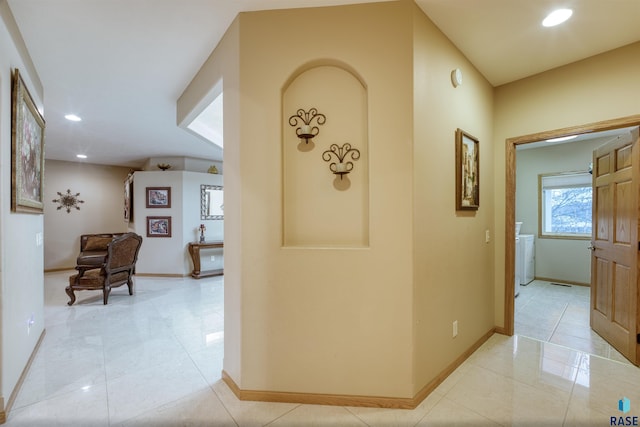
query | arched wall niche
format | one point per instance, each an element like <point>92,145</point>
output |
<point>324,62</point>
<point>320,208</point>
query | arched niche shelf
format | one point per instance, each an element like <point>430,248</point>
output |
<point>322,208</point>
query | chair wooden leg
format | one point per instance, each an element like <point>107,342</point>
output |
<point>105,293</point>
<point>72,295</point>
<point>130,286</point>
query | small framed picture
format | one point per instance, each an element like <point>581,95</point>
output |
<point>158,197</point>
<point>158,226</point>
<point>467,171</point>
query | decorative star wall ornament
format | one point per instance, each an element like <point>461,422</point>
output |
<point>68,201</point>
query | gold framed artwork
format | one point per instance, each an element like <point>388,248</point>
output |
<point>467,171</point>
<point>27,150</point>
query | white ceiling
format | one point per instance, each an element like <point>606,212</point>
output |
<point>122,64</point>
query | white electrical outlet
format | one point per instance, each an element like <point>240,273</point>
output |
<point>455,328</point>
<point>487,236</point>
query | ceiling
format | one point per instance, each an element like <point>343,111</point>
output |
<point>122,64</point>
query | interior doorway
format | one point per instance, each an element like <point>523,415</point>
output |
<point>510,217</point>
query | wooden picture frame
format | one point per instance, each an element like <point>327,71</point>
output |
<point>158,197</point>
<point>27,150</point>
<point>158,226</point>
<point>128,198</point>
<point>467,171</point>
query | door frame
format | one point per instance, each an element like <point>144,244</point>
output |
<point>510,199</point>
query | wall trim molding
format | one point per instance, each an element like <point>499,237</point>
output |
<point>500,330</point>
<point>16,389</point>
<point>434,383</point>
<point>354,400</point>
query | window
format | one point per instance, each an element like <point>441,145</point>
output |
<point>565,205</point>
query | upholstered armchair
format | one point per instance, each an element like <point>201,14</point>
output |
<point>93,250</point>
<point>117,269</point>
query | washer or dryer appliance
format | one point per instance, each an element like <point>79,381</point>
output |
<point>527,258</point>
<point>518,274</point>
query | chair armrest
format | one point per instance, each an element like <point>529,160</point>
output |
<point>84,268</point>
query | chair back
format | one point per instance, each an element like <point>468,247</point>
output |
<point>122,253</point>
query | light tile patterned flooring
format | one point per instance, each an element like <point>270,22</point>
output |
<point>154,359</point>
<point>559,314</point>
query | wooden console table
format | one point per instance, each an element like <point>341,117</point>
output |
<point>194,251</point>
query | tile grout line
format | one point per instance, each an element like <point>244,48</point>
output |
<point>283,415</point>
<point>356,415</point>
<point>215,393</point>
<point>573,386</point>
<point>430,409</point>
<point>555,327</point>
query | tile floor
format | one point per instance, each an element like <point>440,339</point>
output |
<point>559,314</point>
<point>155,360</point>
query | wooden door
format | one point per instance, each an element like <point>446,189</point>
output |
<point>615,245</point>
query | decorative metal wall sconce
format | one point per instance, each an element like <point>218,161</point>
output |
<point>304,120</point>
<point>68,201</point>
<point>341,165</point>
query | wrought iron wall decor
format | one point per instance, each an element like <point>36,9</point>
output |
<point>341,165</point>
<point>68,201</point>
<point>305,121</point>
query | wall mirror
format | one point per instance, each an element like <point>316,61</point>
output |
<point>211,202</point>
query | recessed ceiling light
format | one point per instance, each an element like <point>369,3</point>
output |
<point>557,17</point>
<point>81,156</point>
<point>73,118</point>
<point>562,138</point>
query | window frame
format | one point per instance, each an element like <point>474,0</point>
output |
<point>563,236</point>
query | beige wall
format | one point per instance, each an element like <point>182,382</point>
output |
<point>359,320</point>
<point>328,320</point>
<point>599,88</point>
<point>453,265</point>
<point>21,253</point>
<point>338,215</point>
<point>102,190</point>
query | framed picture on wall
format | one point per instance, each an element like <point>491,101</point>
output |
<point>27,150</point>
<point>158,197</point>
<point>467,171</point>
<point>158,226</point>
<point>128,198</point>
